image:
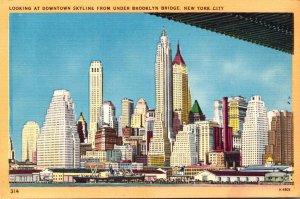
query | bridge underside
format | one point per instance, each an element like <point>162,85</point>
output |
<point>273,30</point>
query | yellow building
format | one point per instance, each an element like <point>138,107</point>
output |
<point>137,120</point>
<point>237,107</point>
<point>30,133</point>
<point>181,94</point>
<point>139,115</point>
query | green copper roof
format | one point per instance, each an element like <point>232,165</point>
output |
<point>196,108</point>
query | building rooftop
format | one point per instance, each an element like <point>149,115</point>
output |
<point>198,166</point>
<point>196,108</point>
<point>178,58</point>
<point>24,171</point>
<point>75,170</point>
<point>238,173</point>
<point>261,167</point>
<point>148,171</point>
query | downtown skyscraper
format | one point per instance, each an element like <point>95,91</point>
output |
<point>164,84</point>
<point>58,145</point>
<point>160,145</point>
<point>30,134</point>
<point>255,132</point>
<point>280,137</point>
<point>96,98</point>
<point>127,111</point>
<point>109,115</point>
<point>181,94</point>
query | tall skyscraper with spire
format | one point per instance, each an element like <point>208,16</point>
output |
<point>164,83</point>
<point>58,145</point>
<point>30,134</point>
<point>96,98</point>
<point>181,94</point>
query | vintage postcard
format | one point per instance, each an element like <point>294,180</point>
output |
<point>134,99</point>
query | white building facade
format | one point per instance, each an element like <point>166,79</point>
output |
<point>218,112</point>
<point>184,150</point>
<point>96,98</point>
<point>230,176</point>
<point>164,83</point>
<point>109,115</point>
<point>255,132</point>
<point>58,145</point>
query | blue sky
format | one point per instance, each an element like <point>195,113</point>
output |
<point>54,51</point>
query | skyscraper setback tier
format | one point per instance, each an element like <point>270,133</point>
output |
<point>255,132</point>
<point>160,146</point>
<point>280,138</point>
<point>163,83</point>
<point>58,144</point>
<point>96,98</point>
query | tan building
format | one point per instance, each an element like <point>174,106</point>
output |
<point>216,159</point>
<point>205,140</point>
<point>30,134</point>
<point>138,119</point>
<point>96,98</point>
<point>127,111</point>
<point>100,156</point>
<point>280,138</point>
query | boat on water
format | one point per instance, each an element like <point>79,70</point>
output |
<point>109,179</point>
<point>110,176</point>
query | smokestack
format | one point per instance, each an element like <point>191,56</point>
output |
<point>225,123</point>
<point>218,144</point>
<point>227,136</point>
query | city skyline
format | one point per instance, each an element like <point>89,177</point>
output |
<point>73,66</point>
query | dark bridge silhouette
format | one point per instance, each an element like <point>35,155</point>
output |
<point>273,30</point>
